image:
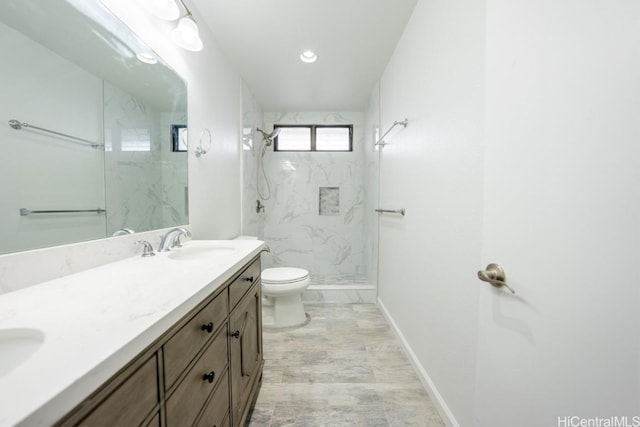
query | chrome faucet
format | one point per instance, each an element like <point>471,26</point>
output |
<point>172,238</point>
<point>122,232</point>
<point>148,249</point>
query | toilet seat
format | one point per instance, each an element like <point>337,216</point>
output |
<point>284,275</point>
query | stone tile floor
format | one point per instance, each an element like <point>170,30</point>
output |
<point>344,368</point>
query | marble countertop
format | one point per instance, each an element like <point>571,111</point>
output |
<point>96,321</point>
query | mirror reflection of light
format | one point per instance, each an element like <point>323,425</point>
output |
<point>147,58</point>
<point>117,35</point>
<point>247,139</point>
<point>288,165</point>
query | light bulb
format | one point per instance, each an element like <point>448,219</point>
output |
<point>186,34</point>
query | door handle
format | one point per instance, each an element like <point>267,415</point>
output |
<point>495,275</point>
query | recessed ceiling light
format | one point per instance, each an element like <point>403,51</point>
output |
<point>147,58</point>
<point>308,56</point>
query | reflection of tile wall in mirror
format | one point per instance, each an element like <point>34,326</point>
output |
<point>88,89</point>
<point>330,201</point>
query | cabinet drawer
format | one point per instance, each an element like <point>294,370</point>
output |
<point>192,337</point>
<point>131,402</point>
<point>217,409</point>
<point>243,283</point>
<point>190,396</point>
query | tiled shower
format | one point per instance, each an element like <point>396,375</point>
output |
<point>320,214</point>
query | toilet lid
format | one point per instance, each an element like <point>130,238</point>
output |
<point>284,274</point>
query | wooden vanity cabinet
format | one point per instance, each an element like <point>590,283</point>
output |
<point>245,324</point>
<point>119,409</point>
<point>206,370</point>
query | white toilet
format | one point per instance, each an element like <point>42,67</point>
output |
<point>282,289</point>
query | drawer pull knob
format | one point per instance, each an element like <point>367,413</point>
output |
<point>235,334</point>
<point>249,279</point>
<point>209,377</point>
<point>208,327</point>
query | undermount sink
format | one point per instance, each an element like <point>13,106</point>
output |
<point>16,345</point>
<point>192,253</point>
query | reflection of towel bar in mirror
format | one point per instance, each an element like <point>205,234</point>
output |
<point>381,142</point>
<point>25,212</point>
<point>17,124</point>
<point>393,211</point>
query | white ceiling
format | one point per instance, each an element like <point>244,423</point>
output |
<point>263,39</point>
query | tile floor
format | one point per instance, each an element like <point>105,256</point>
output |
<point>345,368</point>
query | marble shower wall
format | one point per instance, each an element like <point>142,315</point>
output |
<point>145,181</point>
<point>331,247</point>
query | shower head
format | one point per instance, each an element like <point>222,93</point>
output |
<point>268,137</point>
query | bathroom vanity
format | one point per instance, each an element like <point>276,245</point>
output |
<point>181,348</point>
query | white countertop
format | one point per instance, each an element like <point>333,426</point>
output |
<point>98,320</point>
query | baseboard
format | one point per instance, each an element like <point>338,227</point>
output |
<point>436,397</point>
<point>339,294</point>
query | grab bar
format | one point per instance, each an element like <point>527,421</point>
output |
<point>17,124</point>
<point>381,142</point>
<point>25,212</point>
<point>393,211</point>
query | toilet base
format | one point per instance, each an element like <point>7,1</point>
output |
<point>283,311</point>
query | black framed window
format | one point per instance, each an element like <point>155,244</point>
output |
<point>314,138</point>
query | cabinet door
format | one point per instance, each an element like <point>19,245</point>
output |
<point>246,351</point>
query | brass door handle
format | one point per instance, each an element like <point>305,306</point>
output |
<point>495,275</point>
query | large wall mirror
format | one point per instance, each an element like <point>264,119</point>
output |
<point>86,117</point>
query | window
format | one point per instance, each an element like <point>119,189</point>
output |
<point>314,138</point>
<point>179,138</point>
<point>135,140</point>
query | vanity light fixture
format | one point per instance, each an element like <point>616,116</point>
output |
<point>308,56</point>
<point>163,9</point>
<point>186,34</point>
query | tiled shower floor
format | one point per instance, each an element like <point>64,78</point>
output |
<point>345,368</point>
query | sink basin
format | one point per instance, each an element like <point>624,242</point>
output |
<point>16,345</point>
<point>200,252</point>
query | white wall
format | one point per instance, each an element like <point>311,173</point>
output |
<point>371,180</point>
<point>433,168</point>
<point>252,119</point>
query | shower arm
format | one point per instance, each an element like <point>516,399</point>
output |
<point>381,142</point>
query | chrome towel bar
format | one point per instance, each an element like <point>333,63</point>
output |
<point>393,211</point>
<point>25,212</point>
<point>17,124</point>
